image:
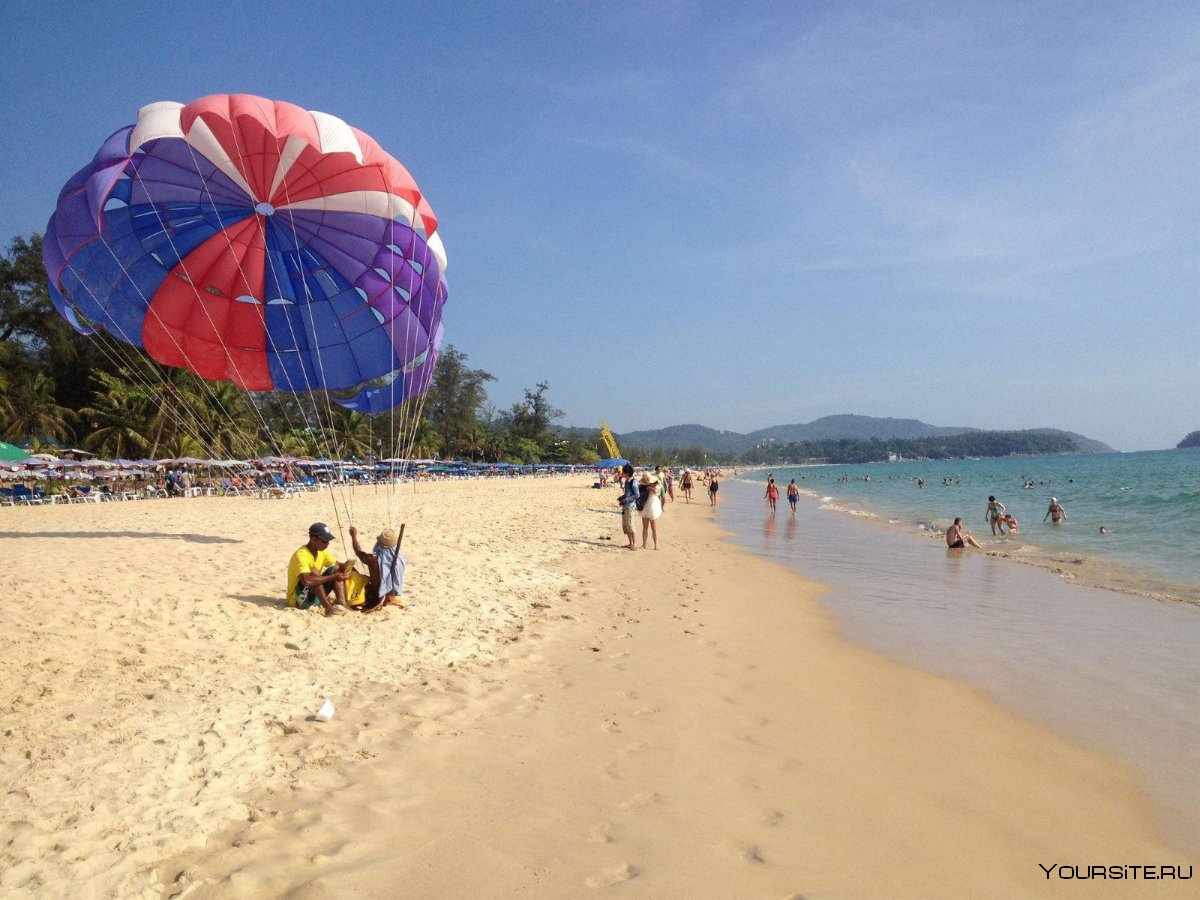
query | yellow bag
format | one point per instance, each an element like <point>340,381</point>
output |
<point>356,588</point>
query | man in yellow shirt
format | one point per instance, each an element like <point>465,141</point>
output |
<point>313,572</point>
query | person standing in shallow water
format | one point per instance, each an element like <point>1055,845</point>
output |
<point>793,495</point>
<point>1055,513</point>
<point>772,493</point>
<point>713,486</point>
<point>995,514</point>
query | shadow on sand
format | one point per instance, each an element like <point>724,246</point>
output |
<point>599,542</point>
<point>190,538</point>
<point>260,600</point>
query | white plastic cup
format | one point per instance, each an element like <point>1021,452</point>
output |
<point>325,713</point>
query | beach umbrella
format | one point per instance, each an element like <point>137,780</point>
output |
<point>613,462</point>
<point>11,453</point>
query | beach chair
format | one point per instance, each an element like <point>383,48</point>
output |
<point>22,494</point>
<point>6,497</point>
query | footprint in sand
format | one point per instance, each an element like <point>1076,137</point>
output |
<point>640,801</point>
<point>610,726</point>
<point>772,818</point>
<point>750,853</point>
<point>609,770</point>
<point>601,833</point>
<point>624,873</point>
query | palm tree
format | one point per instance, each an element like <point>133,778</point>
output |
<point>296,442</point>
<point>34,413</point>
<point>351,435</point>
<point>425,441</point>
<point>223,416</point>
<point>122,419</point>
<point>475,440</point>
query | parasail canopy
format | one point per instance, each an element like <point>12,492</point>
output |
<point>252,241</point>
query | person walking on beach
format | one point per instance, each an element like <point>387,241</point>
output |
<point>1055,513</point>
<point>628,504</point>
<point>772,493</point>
<point>713,486</point>
<point>957,539</point>
<point>652,509</point>
<point>995,512</point>
<point>793,495</point>
<point>313,572</point>
<point>685,485</point>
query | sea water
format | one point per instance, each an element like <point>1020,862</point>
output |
<point>1148,502</point>
<point>1117,672</point>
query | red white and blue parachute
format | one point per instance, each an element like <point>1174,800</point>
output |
<point>255,242</point>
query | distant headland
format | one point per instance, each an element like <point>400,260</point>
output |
<point>854,438</point>
<point>1192,440</point>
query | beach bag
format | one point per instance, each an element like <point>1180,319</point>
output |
<point>643,497</point>
<point>356,588</point>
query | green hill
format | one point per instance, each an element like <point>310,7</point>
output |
<point>828,428</point>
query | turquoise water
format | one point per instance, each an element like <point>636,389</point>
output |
<point>1149,501</point>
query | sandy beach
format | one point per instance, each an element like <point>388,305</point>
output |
<point>549,716</point>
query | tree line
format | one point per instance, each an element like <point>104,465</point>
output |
<point>61,388</point>
<point>954,446</point>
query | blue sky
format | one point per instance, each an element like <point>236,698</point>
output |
<point>738,215</point>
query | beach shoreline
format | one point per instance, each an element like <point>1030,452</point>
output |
<point>551,714</point>
<point>1106,574</point>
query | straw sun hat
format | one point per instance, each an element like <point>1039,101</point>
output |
<point>387,538</point>
<point>647,479</point>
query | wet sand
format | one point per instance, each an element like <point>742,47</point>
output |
<point>1116,671</point>
<point>551,716</point>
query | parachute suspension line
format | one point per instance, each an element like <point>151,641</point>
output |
<point>320,431</point>
<point>200,302</point>
<point>241,271</point>
<point>340,489</point>
<point>393,504</point>
<point>139,377</point>
<point>322,446</point>
<point>186,425</point>
<point>149,307</point>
